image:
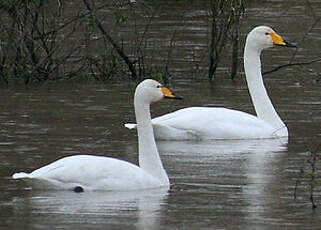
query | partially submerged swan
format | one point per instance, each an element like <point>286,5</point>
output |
<point>221,123</point>
<point>87,172</point>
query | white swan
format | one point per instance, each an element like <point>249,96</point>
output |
<point>86,172</point>
<point>221,123</point>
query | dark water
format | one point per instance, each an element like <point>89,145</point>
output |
<point>215,185</point>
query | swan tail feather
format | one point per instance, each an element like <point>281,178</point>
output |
<point>21,175</point>
<point>130,125</point>
<point>43,183</point>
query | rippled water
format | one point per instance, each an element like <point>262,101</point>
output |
<point>215,184</point>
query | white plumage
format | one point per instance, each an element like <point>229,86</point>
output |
<point>90,173</point>
<point>201,123</point>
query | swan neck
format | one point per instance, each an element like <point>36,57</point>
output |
<point>149,158</point>
<point>259,96</point>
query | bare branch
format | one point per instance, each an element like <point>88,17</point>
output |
<point>118,49</point>
<point>291,64</point>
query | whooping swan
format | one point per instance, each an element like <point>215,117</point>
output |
<point>221,123</point>
<point>88,172</point>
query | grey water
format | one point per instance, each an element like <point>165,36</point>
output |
<point>235,184</point>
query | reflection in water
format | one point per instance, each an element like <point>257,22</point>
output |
<point>215,147</point>
<point>219,161</point>
<point>64,209</point>
<point>247,167</point>
<point>263,173</point>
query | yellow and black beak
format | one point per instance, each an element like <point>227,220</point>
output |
<point>169,94</point>
<point>279,41</point>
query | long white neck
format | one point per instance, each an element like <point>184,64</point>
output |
<point>260,99</point>
<point>149,159</point>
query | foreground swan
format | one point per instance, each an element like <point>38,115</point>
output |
<point>221,123</point>
<point>86,172</point>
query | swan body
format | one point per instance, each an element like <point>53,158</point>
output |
<point>201,123</point>
<point>241,125</point>
<point>90,173</point>
<point>87,172</point>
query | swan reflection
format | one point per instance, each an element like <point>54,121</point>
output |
<point>108,209</point>
<point>251,169</point>
<point>213,147</point>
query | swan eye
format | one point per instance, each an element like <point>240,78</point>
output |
<point>159,86</point>
<point>266,33</point>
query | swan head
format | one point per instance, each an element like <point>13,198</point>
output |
<point>149,91</point>
<point>263,37</point>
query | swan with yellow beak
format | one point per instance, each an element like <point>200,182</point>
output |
<point>204,123</point>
